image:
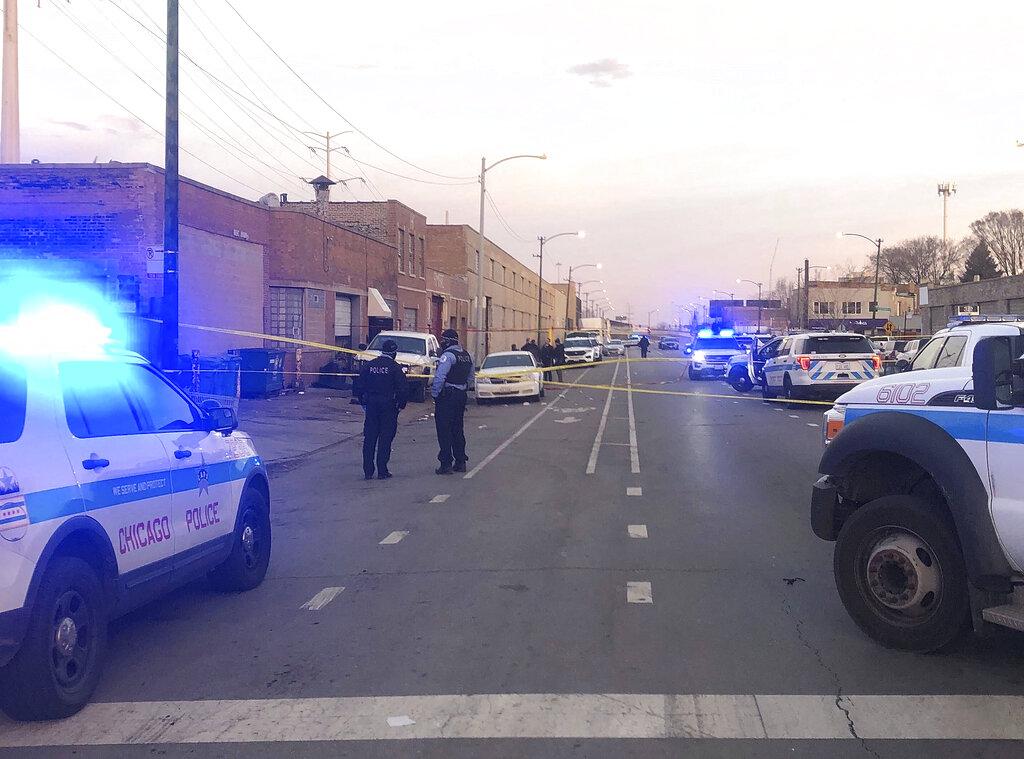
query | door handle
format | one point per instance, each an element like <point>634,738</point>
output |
<point>182,453</point>
<point>95,463</point>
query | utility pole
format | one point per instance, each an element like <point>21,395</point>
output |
<point>481,334</point>
<point>169,341</point>
<point>807,294</point>
<point>10,128</point>
<point>540,284</point>
<point>945,190</point>
<point>326,137</point>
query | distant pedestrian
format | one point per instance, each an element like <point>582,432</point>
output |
<point>558,357</point>
<point>645,345</point>
<point>382,393</point>
<point>514,347</point>
<point>534,349</point>
<point>453,377</point>
<point>547,354</point>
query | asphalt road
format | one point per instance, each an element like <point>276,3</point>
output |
<point>500,616</point>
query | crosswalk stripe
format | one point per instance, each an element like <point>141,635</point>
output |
<point>394,537</point>
<point>321,599</point>
<point>532,715</point>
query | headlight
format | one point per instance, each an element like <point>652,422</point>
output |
<point>405,369</point>
<point>833,422</point>
<point>698,355</point>
<point>483,380</point>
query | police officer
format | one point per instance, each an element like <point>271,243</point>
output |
<point>382,392</point>
<point>453,377</point>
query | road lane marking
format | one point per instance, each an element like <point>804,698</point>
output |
<point>440,498</point>
<point>812,424</point>
<point>531,715</point>
<point>634,454</point>
<point>622,444</point>
<point>394,537</point>
<point>592,461</point>
<point>635,491</point>
<point>321,599</point>
<point>637,530</point>
<point>401,721</point>
<point>639,593</point>
<point>526,425</point>
<point>794,416</point>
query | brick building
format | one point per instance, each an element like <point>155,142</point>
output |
<point>940,303</point>
<point>510,287</point>
<point>244,265</point>
<point>429,299</point>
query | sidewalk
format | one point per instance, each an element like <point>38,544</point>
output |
<point>288,427</point>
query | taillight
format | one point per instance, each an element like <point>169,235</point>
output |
<point>805,362</point>
<point>877,361</point>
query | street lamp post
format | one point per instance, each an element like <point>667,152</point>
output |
<point>732,296</point>
<point>759,301</point>
<point>540,270</point>
<point>481,340</point>
<point>878,263</point>
<point>649,315</point>
<point>568,290</point>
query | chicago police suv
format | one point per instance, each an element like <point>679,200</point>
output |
<point>815,364</point>
<point>114,488</point>
<point>922,492</point>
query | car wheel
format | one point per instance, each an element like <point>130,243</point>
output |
<point>739,381</point>
<point>246,565</point>
<point>766,391</point>
<point>60,660</point>
<point>789,393</point>
<point>901,575</point>
<point>692,375</point>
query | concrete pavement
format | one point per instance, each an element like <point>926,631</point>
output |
<point>526,614</point>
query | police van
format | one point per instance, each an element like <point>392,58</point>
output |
<point>114,488</point>
<point>921,490</point>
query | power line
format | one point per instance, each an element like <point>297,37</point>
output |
<point>325,102</point>
<point>508,228</point>
<point>127,110</point>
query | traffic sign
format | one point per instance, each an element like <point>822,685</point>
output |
<point>889,328</point>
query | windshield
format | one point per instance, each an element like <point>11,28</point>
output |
<point>716,343</point>
<point>416,345</point>
<point>826,344</point>
<point>494,362</point>
<point>13,393</point>
<point>578,342</point>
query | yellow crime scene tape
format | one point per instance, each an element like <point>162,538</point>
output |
<point>539,370</point>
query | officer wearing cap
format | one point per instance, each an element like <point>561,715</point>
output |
<point>453,377</point>
<point>382,393</point>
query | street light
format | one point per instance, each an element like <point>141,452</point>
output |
<point>484,168</point>
<point>568,288</point>
<point>759,301</point>
<point>540,270</point>
<point>732,296</point>
<point>649,314</point>
<point>587,303</point>
<point>878,262</point>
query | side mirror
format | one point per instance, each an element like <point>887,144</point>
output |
<point>220,418</point>
<point>996,372</point>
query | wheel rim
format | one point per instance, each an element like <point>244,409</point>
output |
<point>71,639</point>
<point>900,575</point>
<point>252,544</point>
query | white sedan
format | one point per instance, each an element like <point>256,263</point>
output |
<point>614,348</point>
<point>509,374</point>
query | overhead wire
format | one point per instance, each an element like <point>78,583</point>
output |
<point>501,219</point>
<point>329,105</point>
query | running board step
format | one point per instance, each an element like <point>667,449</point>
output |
<point>1010,615</point>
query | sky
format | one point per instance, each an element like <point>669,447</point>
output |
<point>691,140</point>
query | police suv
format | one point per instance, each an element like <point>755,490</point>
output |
<point>921,490</point>
<point>114,488</point>
<point>818,364</point>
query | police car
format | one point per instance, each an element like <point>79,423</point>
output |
<point>114,488</point>
<point>954,345</point>
<point>921,489</point>
<point>418,353</point>
<point>818,364</point>
<point>710,353</point>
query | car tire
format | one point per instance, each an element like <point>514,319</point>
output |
<point>246,565</point>
<point>789,393</point>
<point>766,391</point>
<point>45,680</point>
<point>692,375</point>
<point>923,626</point>
<point>740,382</point>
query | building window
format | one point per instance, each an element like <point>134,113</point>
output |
<point>409,318</point>
<point>412,255</point>
<point>286,312</point>
<point>494,268</point>
<point>824,308</point>
<point>401,249</point>
<point>852,307</point>
<point>423,258</point>
<point>504,275</point>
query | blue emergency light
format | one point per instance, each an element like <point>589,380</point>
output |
<point>705,333</point>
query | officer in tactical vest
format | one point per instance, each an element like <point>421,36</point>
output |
<point>382,393</point>
<point>453,377</point>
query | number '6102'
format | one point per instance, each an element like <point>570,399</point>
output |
<point>910,393</point>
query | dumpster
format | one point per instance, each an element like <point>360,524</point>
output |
<point>262,371</point>
<point>209,378</point>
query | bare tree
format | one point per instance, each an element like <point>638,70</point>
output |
<point>781,290</point>
<point>920,261</point>
<point>1002,232</point>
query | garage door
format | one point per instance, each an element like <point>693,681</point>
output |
<point>343,320</point>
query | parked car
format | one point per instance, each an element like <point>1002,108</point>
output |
<point>509,374</point>
<point>633,340</point>
<point>668,344</point>
<point>819,364</point>
<point>905,356</point>
<point>582,350</point>
<point>418,353</point>
<point>711,354</point>
<point>746,371</point>
<point>614,348</point>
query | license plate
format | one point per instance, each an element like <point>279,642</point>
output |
<point>842,375</point>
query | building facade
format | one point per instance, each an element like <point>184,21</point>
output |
<point>1002,295</point>
<point>846,304</point>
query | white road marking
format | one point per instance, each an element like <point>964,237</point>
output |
<point>530,715</point>
<point>394,537</point>
<point>812,424</point>
<point>592,462</point>
<point>321,599</point>
<point>634,454</point>
<point>608,443</point>
<point>440,498</point>
<point>794,416</point>
<point>567,420</point>
<point>637,530</point>
<point>777,409</point>
<point>526,425</point>
<point>402,721</point>
<point>639,593</point>
<point>635,491</point>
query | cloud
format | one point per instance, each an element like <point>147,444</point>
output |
<point>603,72</point>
